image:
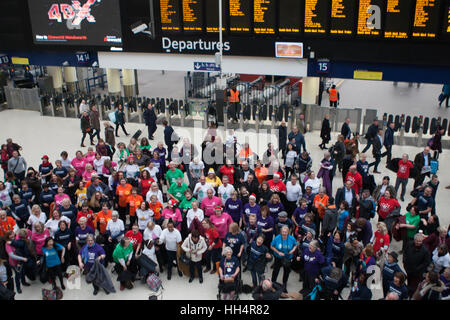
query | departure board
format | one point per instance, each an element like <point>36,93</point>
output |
<point>240,15</point>
<point>289,16</point>
<point>342,17</point>
<point>192,15</point>
<point>446,24</point>
<point>212,16</point>
<point>264,14</point>
<point>316,16</point>
<point>170,15</point>
<point>369,18</point>
<point>398,19</point>
<point>426,19</point>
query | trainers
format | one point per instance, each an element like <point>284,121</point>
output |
<point>200,280</point>
<point>95,292</point>
<point>180,273</point>
<point>63,287</point>
<point>191,279</point>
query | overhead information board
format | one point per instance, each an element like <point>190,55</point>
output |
<point>264,16</point>
<point>426,19</point>
<point>192,15</point>
<point>290,16</point>
<point>170,15</point>
<point>316,17</point>
<point>398,19</point>
<point>240,15</point>
<point>342,17</point>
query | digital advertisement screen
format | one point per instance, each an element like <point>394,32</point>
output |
<point>76,22</point>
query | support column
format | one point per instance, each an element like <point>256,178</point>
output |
<point>310,90</point>
<point>113,79</point>
<point>57,78</point>
<point>82,75</point>
<point>70,78</point>
<point>129,82</point>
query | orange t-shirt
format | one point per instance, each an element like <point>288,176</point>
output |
<point>123,193</point>
<point>7,225</point>
<point>320,209</point>
<point>156,208</point>
<point>102,220</point>
<point>134,202</point>
<point>261,174</point>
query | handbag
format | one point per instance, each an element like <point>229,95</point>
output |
<point>285,262</point>
<point>184,258</point>
<point>55,294</point>
<point>154,282</point>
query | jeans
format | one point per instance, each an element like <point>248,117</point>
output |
<point>84,136</point>
<point>403,182</point>
<point>369,143</point>
<point>171,255</point>
<point>193,266</point>
<point>95,134</point>
<point>151,131</point>
<point>376,162</point>
<point>257,278</point>
<point>388,153</point>
<point>123,129</point>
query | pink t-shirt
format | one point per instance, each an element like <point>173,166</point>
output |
<point>87,175</point>
<point>221,223</point>
<point>59,198</point>
<point>89,158</point>
<point>39,240</point>
<point>175,216</point>
<point>208,205</point>
<point>79,166</point>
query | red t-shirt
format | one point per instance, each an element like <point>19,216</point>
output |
<point>276,187</point>
<point>356,179</point>
<point>211,235</point>
<point>226,171</point>
<point>380,241</point>
<point>145,186</point>
<point>136,239</point>
<point>386,206</point>
<point>403,169</point>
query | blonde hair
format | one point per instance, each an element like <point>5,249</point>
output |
<point>383,227</point>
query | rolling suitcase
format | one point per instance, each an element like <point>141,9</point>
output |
<point>137,134</point>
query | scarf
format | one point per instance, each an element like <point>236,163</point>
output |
<point>46,164</point>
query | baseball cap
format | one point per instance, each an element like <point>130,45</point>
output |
<point>44,157</point>
<point>282,214</point>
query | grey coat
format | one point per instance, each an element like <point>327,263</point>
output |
<point>100,277</point>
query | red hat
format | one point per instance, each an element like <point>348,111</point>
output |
<point>218,207</point>
<point>172,202</point>
<point>44,157</point>
<point>252,196</point>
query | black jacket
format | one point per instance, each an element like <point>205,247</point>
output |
<point>419,161</point>
<point>325,132</point>
<point>241,174</point>
<point>253,187</point>
<point>388,137</point>
<point>372,132</point>
<point>168,131</point>
<point>282,137</point>
<point>340,196</point>
<point>150,117</point>
<point>416,260</point>
<point>377,146</point>
<point>346,131</point>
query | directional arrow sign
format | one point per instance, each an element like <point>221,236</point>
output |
<point>206,66</point>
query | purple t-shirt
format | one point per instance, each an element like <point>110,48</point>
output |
<point>299,214</point>
<point>89,254</point>
<point>313,261</point>
<point>275,209</point>
<point>234,209</point>
<point>266,223</point>
<point>248,210</point>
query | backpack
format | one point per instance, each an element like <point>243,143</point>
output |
<point>154,282</point>
<point>373,212</point>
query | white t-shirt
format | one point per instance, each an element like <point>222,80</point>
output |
<point>150,253</point>
<point>225,192</point>
<point>197,169</point>
<point>158,194</point>
<point>191,214</point>
<point>33,219</point>
<point>152,234</point>
<point>115,228</point>
<point>153,172</point>
<point>52,224</point>
<point>131,171</point>
<point>98,164</point>
<point>293,192</point>
<point>440,262</point>
<point>290,159</point>
<point>144,216</point>
<point>314,184</point>
<point>202,192</point>
<point>170,239</point>
<point>66,163</point>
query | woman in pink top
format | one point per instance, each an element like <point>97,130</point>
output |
<point>173,213</point>
<point>88,171</point>
<point>210,203</point>
<point>60,196</point>
<point>90,156</point>
<point>79,163</point>
<point>39,236</point>
<point>221,220</point>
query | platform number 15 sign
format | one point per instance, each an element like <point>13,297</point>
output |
<point>323,66</point>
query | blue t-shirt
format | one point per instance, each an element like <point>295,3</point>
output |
<point>284,245</point>
<point>60,172</point>
<point>229,266</point>
<point>51,255</point>
<point>423,202</point>
<point>342,217</point>
<point>234,241</point>
<point>402,291</point>
<point>257,251</point>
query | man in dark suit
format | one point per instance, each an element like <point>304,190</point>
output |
<point>371,134</point>
<point>150,120</point>
<point>345,130</point>
<point>347,193</point>
<point>243,173</point>
<point>422,163</point>
<point>299,139</point>
<point>169,138</point>
<point>376,150</point>
<point>388,141</point>
<point>282,138</point>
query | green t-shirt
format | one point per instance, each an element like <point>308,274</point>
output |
<point>186,204</point>
<point>173,176</point>
<point>178,191</point>
<point>412,221</point>
<point>122,253</point>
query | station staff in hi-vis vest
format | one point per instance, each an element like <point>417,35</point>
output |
<point>233,98</point>
<point>333,96</point>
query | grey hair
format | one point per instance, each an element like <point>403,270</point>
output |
<point>418,236</point>
<point>227,249</point>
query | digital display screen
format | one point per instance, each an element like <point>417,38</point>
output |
<point>264,16</point>
<point>426,19</point>
<point>170,15</point>
<point>342,17</point>
<point>316,16</point>
<point>192,15</point>
<point>289,16</point>
<point>240,15</point>
<point>446,24</point>
<point>212,16</point>
<point>71,22</point>
<point>370,16</point>
<point>398,19</point>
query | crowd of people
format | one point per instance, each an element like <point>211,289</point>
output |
<point>152,209</point>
